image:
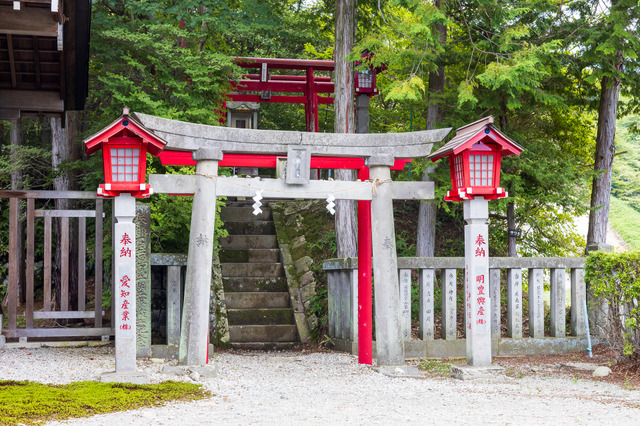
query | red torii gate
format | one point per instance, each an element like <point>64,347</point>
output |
<point>365,317</point>
<point>309,85</point>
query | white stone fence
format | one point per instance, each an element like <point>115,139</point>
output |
<point>447,337</point>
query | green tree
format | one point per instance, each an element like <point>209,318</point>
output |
<point>505,60</point>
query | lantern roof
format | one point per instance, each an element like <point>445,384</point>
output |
<point>478,131</point>
<point>124,126</point>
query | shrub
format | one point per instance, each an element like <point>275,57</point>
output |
<point>615,277</point>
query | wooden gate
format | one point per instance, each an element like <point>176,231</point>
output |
<point>31,329</point>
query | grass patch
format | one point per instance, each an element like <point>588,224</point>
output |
<point>32,403</point>
<point>435,367</point>
<point>625,219</point>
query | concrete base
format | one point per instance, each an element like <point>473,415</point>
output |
<point>164,351</point>
<point>470,372</point>
<point>170,351</point>
<point>35,345</point>
<point>440,348</point>
<point>401,371</point>
<point>133,377</point>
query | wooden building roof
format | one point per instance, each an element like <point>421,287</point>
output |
<point>44,56</point>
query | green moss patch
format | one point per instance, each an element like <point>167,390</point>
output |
<point>32,403</point>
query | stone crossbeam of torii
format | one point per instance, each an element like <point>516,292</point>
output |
<point>208,144</point>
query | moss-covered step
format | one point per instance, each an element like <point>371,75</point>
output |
<point>255,284</point>
<point>257,227</point>
<point>244,214</point>
<point>252,269</point>
<point>252,255</point>
<point>238,242</point>
<point>260,316</point>
<point>263,333</point>
<point>259,300</point>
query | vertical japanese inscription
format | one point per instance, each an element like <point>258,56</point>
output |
<point>125,283</point>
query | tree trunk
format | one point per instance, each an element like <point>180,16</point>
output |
<point>17,140</point>
<point>426,238</point>
<point>605,151</point>
<point>511,224</point>
<point>62,139</point>
<point>345,15</point>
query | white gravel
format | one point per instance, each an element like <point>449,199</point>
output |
<point>321,388</point>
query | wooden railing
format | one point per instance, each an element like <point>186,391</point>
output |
<point>15,268</point>
<point>342,289</point>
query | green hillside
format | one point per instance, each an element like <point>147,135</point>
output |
<point>624,215</point>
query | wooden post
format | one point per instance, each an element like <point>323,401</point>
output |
<point>98,265</point>
<point>30,261</point>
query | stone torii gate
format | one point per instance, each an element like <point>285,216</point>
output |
<point>208,144</point>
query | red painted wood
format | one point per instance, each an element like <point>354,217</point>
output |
<point>285,64</point>
<point>365,330</point>
<point>285,77</point>
<point>183,158</point>
<point>280,86</point>
<point>279,99</point>
<point>311,105</point>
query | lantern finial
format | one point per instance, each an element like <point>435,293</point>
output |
<point>125,111</point>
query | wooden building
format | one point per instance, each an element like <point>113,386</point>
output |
<point>44,57</point>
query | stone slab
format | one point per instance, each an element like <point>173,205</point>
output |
<point>400,371</point>
<point>133,377</point>
<point>164,351</point>
<point>469,372</point>
<point>209,370</point>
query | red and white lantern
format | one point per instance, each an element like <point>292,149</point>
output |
<point>125,144</point>
<point>475,155</point>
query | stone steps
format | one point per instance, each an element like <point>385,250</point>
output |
<point>252,270</point>
<point>256,227</point>
<point>263,333</point>
<point>246,242</point>
<point>244,214</point>
<point>272,316</point>
<point>255,286</point>
<point>252,256</point>
<point>256,300</point>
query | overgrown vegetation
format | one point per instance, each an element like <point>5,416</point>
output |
<point>32,403</point>
<point>615,277</point>
<point>435,368</point>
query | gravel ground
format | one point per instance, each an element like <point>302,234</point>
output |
<point>320,388</point>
